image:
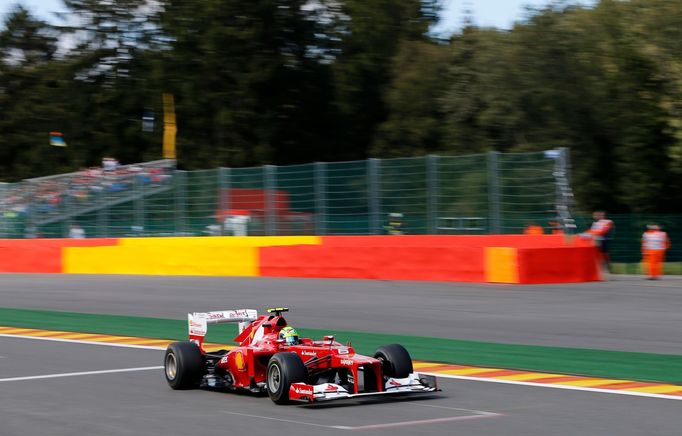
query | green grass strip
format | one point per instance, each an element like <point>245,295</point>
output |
<point>588,362</point>
<point>671,268</point>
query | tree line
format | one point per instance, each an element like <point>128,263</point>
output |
<point>294,81</point>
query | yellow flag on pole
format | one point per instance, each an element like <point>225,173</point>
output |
<point>169,128</point>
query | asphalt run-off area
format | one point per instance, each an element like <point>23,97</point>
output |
<point>65,388</point>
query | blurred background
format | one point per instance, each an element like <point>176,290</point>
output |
<point>293,82</point>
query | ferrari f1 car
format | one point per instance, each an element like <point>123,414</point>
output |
<point>302,369</point>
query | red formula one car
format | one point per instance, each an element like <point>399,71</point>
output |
<point>287,368</point>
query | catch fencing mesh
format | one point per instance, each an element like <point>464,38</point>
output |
<point>475,194</point>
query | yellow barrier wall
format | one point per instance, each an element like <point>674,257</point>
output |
<point>501,265</point>
<point>213,261</point>
<point>211,256</point>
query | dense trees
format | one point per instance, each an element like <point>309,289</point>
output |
<point>291,81</point>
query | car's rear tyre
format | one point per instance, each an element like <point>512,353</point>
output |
<point>395,360</point>
<point>284,369</point>
<point>183,365</point>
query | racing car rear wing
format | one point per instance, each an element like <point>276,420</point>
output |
<point>198,321</point>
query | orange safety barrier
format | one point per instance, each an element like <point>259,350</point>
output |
<point>501,265</point>
<point>463,264</point>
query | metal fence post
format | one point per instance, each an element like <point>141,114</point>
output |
<point>65,223</point>
<point>102,215</point>
<point>320,198</point>
<point>138,188</point>
<point>432,193</point>
<point>566,162</point>
<point>30,227</point>
<point>270,183</point>
<point>4,229</point>
<point>179,184</point>
<point>564,194</point>
<point>493,193</point>
<point>373,190</point>
<point>224,200</point>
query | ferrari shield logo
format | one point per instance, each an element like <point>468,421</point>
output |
<point>239,361</point>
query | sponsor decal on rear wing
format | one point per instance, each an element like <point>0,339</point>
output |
<point>198,321</point>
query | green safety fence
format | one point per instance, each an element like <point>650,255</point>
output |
<point>474,194</point>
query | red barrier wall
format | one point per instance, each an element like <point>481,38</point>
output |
<point>541,258</point>
<point>40,255</point>
<point>31,259</point>
<point>519,241</point>
<point>463,264</point>
<point>558,265</point>
<point>58,242</point>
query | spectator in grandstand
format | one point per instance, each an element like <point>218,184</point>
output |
<point>76,232</point>
<point>601,232</point>
<point>49,196</point>
<point>654,244</point>
<point>533,229</point>
<point>109,164</point>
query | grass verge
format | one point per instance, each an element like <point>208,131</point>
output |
<point>670,268</point>
<point>589,362</point>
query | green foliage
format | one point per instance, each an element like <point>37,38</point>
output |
<point>293,81</point>
<point>601,81</point>
<point>413,124</point>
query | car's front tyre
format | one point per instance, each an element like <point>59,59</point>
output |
<point>284,369</point>
<point>395,360</point>
<point>183,365</point>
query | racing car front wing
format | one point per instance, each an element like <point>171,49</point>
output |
<point>413,384</point>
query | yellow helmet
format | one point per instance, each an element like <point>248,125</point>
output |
<point>290,335</point>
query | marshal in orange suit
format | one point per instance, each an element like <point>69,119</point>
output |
<point>654,244</point>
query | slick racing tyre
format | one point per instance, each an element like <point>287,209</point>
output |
<point>395,360</point>
<point>183,365</point>
<point>284,369</point>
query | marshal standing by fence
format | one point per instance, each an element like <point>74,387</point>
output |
<point>654,244</point>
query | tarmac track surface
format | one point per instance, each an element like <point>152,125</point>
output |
<point>139,402</point>
<point>625,313</point>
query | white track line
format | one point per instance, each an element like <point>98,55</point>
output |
<point>270,418</point>
<point>457,377</point>
<point>479,414</point>
<point>75,374</point>
<point>570,388</point>
<point>420,422</point>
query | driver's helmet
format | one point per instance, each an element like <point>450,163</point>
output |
<point>290,335</point>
